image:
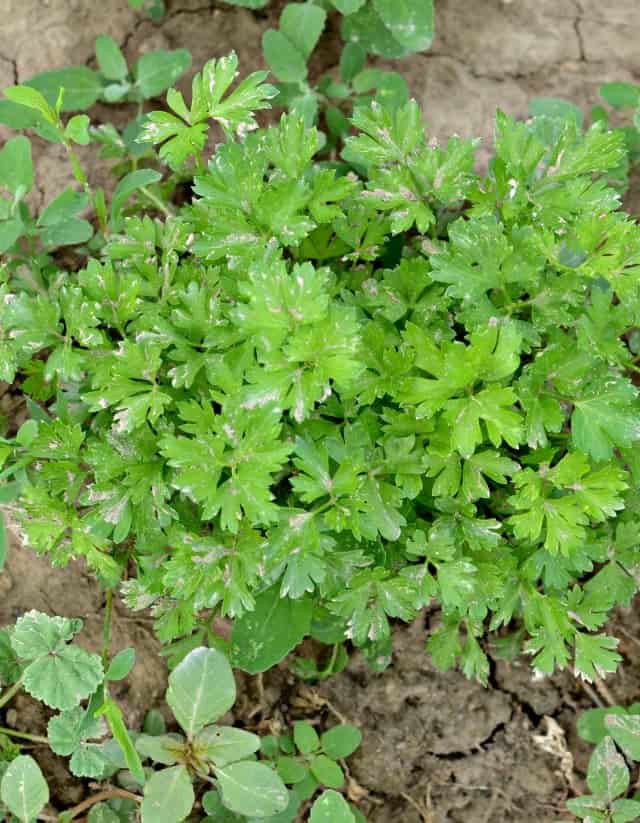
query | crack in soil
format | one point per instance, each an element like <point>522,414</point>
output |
<point>576,26</point>
<point>14,66</point>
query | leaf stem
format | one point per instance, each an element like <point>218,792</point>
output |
<point>6,697</point>
<point>157,202</point>
<point>108,794</point>
<point>106,629</point>
<point>34,738</point>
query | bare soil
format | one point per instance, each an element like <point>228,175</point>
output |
<point>437,748</point>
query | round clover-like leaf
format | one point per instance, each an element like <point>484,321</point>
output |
<point>88,760</point>
<point>331,807</point>
<point>168,796</point>
<point>201,689</point>
<point>24,790</point>
<point>252,789</point>
<point>64,678</point>
<point>36,634</point>
<point>67,730</point>
<point>341,741</point>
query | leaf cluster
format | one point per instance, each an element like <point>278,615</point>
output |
<point>321,395</point>
<point>616,732</point>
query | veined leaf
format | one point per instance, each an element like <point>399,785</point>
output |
<point>24,790</point>
<point>201,689</point>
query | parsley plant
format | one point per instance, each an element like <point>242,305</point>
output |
<point>314,396</point>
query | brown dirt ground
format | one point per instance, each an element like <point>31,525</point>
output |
<point>437,748</point>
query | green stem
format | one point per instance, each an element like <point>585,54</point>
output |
<point>6,697</point>
<point>106,630</point>
<point>78,171</point>
<point>157,202</point>
<point>328,669</point>
<point>34,738</point>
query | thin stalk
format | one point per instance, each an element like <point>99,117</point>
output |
<point>328,669</point>
<point>10,692</point>
<point>34,738</point>
<point>106,629</point>
<point>157,202</point>
<point>76,165</point>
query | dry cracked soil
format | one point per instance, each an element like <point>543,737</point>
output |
<point>437,748</point>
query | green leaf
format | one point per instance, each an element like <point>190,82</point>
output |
<point>608,775</point>
<point>156,71</point>
<point>102,813</point>
<point>66,233</point>
<point>224,744</point>
<point>4,543</point>
<point>588,808</point>
<point>24,790</point>
<point>409,21</point>
<point>341,741</point>
<point>57,674</point>
<point>625,730</point>
<point>32,99</point>
<point>331,807</point>
<point>621,95</point>
<point>348,6</point>
<point>67,730</point>
<point>161,748</point>
<point>607,420</point>
<point>302,25</point>
<point>113,714</point>
<point>213,806</point>
<point>59,225</point>
<point>77,130</point>
<point>352,61</point>
<point>154,723</point>
<point>367,28</point>
<point>10,231</point>
<point>596,655</point>
<point>21,117</point>
<point>16,166</point>
<point>263,637</point>
<point>625,811</point>
<point>111,61</point>
<point>168,796</point>
<point>327,772</point>
<point>10,669</point>
<point>291,770</point>
<point>121,665</point>
<point>68,733</point>
<point>555,107</point>
<point>284,59</point>
<point>591,724</point>
<point>201,689</point>
<point>130,182</point>
<point>252,789</point>
<point>305,737</point>
<point>82,87</point>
